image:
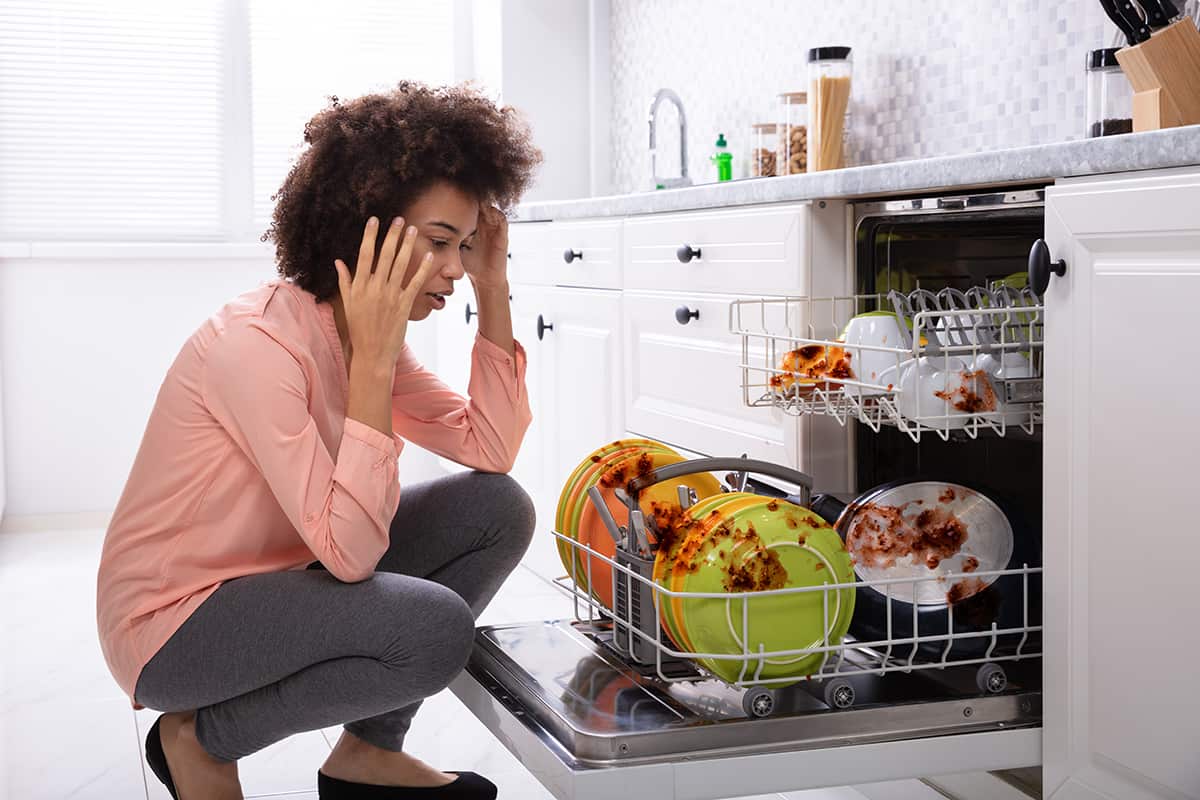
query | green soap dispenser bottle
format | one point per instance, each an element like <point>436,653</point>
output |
<point>723,159</point>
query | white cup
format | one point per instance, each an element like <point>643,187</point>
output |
<point>874,329</point>
<point>943,392</point>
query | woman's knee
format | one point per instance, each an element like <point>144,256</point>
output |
<point>434,638</point>
<point>510,506</point>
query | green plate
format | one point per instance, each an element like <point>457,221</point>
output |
<point>768,544</point>
<point>664,560</point>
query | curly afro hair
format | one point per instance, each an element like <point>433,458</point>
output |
<point>373,155</point>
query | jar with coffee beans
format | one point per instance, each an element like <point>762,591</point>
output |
<point>764,139</point>
<point>792,152</point>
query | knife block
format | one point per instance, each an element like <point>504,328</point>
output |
<point>1164,72</point>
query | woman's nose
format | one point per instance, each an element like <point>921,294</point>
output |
<point>454,268</point>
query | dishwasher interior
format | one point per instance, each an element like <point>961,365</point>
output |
<point>914,660</point>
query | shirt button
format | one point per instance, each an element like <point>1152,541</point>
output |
<point>309,517</point>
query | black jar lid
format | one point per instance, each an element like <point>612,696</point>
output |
<point>828,53</point>
<point>1099,59</point>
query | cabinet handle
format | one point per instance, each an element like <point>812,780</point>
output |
<point>684,315</point>
<point>471,313</point>
<point>1041,267</point>
<point>543,327</point>
<point>687,253</point>
<point>570,255</point>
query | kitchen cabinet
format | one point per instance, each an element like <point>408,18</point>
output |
<point>683,379</point>
<point>1122,349</point>
<point>574,383</point>
<point>1119,542</point>
<point>586,254</point>
<point>756,250</point>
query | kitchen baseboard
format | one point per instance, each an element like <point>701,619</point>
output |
<point>35,523</point>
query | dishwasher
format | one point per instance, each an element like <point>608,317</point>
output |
<point>923,682</point>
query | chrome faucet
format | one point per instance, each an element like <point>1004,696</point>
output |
<point>683,179</point>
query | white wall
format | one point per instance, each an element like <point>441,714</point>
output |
<point>85,343</point>
<point>545,62</point>
<point>87,332</point>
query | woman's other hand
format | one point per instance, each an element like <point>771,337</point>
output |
<point>376,300</point>
<point>486,263</point>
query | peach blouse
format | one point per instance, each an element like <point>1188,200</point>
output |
<point>248,463</point>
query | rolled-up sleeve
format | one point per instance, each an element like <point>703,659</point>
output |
<point>483,430</point>
<point>258,391</point>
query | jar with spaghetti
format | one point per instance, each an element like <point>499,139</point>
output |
<point>763,141</point>
<point>829,71</point>
<point>792,157</point>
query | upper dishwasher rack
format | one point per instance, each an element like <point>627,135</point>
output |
<point>924,362</point>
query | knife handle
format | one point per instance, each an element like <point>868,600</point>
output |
<point>1159,13</point>
<point>1141,31</point>
<point>1118,19</point>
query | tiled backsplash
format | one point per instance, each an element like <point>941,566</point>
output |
<point>931,77</point>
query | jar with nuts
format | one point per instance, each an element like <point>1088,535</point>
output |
<point>764,138</point>
<point>792,150</point>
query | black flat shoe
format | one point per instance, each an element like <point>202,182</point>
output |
<point>467,786</point>
<point>157,759</point>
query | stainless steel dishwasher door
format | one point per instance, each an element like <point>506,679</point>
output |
<point>591,727</point>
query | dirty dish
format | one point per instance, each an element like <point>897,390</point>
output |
<point>660,501</point>
<point>672,537</point>
<point>579,498</point>
<point>762,545</point>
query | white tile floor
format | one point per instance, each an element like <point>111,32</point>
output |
<point>67,731</point>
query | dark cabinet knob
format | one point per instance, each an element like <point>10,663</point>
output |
<point>471,313</point>
<point>1041,267</point>
<point>684,315</point>
<point>687,253</point>
<point>570,255</point>
<point>543,327</point>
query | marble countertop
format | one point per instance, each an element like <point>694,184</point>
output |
<point>1172,147</point>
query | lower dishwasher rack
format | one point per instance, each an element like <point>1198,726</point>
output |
<point>589,725</point>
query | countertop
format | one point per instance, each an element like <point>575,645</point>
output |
<point>1172,147</point>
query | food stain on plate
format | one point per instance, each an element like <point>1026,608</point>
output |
<point>882,536</point>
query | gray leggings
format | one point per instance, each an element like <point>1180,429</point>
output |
<point>268,656</point>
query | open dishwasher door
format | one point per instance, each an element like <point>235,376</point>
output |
<point>589,725</point>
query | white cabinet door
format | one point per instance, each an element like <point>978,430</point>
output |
<point>574,381</point>
<point>529,469</point>
<point>585,380</point>
<point>455,339</point>
<point>1121,442</point>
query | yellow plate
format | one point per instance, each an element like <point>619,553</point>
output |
<point>659,500</point>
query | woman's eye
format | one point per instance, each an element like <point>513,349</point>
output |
<point>464,246</point>
<point>436,243</point>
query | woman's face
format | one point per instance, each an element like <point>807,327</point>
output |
<point>445,217</point>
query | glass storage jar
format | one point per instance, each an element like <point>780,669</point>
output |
<point>792,118</point>
<point>1109,95</point>
<point>764,138</point>
<point>829,71</point>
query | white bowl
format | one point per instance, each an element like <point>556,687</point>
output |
<point>1000,368</point>
<point>944,392</point>
<point>873,329</point>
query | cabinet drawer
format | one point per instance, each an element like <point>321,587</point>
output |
<point>527,252</point>
<point>584,254</point>
<point>761,250</point>
<point>566,253</point>
<point>683,381</point>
